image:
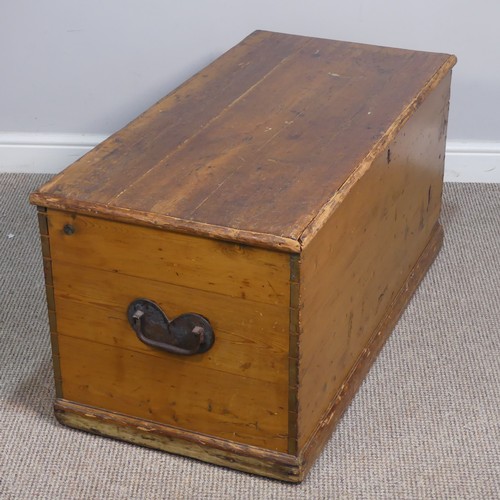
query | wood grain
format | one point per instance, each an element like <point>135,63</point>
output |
<point>199,263</point>
<point>251,338</point>
<point>179,392</point>
<point>167,125</point>
<point>354,267</point>
<point>290,126</point>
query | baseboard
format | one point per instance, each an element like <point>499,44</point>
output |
<point>43,153</point>
<point>466,161</point>
<point>472,161</point>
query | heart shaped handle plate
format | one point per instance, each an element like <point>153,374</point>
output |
<point>187,334</point>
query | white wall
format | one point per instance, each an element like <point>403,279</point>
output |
<point>74,71</point>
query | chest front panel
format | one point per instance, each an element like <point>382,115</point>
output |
<point>237,390</point>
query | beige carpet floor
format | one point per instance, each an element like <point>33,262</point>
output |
<point>425,424</point>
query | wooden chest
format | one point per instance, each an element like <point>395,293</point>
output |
<point>280,208</point>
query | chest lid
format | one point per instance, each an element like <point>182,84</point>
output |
<point>255,147</point>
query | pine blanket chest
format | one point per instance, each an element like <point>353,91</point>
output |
<point>221,272</point>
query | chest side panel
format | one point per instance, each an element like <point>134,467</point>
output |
<point>354,268</point>
<point>237,390</point>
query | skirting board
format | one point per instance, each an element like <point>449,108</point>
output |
<point>472,161</point>
<point>467,161</point>
<point>43,153</point>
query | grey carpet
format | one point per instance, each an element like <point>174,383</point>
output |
<point>425,424</point>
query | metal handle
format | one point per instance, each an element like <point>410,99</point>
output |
<point>187,334</point>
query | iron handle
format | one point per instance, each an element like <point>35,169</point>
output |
<point>186,335</point>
